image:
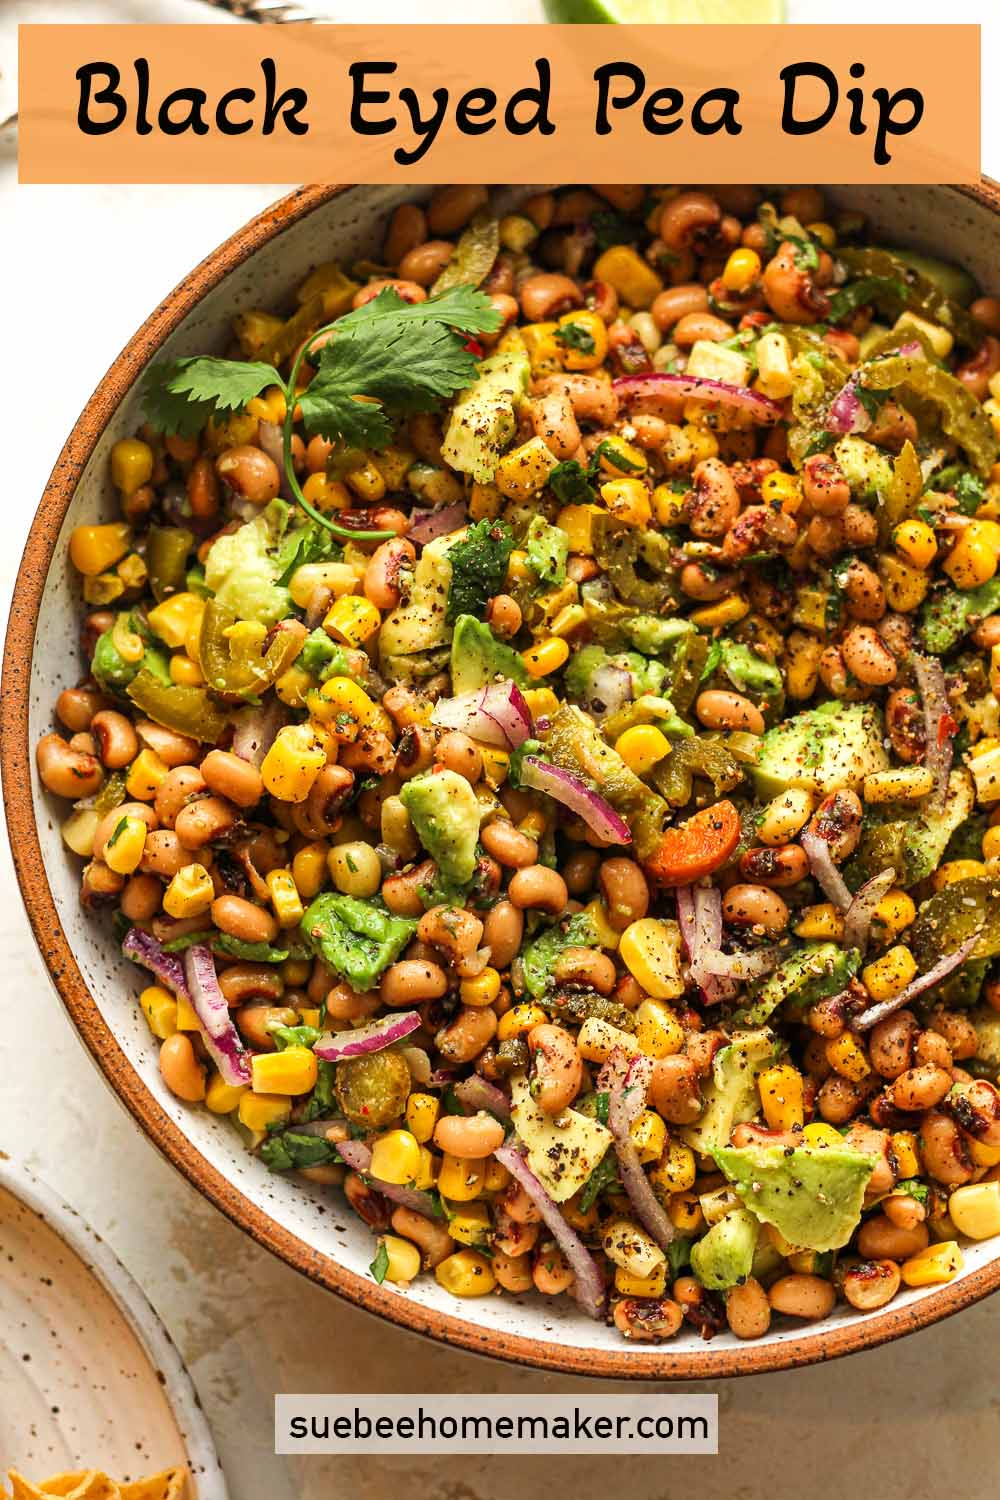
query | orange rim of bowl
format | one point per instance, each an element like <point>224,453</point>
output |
<point>659,1363</point>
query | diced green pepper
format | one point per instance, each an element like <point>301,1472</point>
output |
<point>189,710</point>
<point>167,551</point>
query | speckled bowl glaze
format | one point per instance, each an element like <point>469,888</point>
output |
<point>311,1229</point>
<point>89,1374</point>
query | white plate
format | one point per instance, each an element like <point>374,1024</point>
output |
<point>89,1376</point>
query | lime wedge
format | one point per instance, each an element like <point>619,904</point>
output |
<point>641,12</point>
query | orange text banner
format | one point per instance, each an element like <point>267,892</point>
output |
<point>192,104</point>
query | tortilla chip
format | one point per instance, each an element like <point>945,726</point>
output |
<point>82,1485</point>
<point>23,1489</point>
<point>169,1484</point>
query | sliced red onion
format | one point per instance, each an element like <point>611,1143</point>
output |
<point>272,439</point>
<point>846,413</point>
<point>573,792</point>
<point>478,1093</point>
<point>698,388</point>
<point>699,915</point>
<point>588,1285</point>
<point>941,970</point>
<point>142,948</point>
<point>371,1038</point>
<point>256,729</point>
<point>858,921</point>
<point>608,689</point>
<point>937,757</point>
<point>824,871</point>
<point>496,714</point>
<point>742,966</point>
<point>425,525</point>
<point>222,1040</point>
<point>627,1081</point>
<point>355,1154</point>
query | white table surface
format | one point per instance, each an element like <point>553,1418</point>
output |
<point>83,267</point>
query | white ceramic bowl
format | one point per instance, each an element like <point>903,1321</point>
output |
<point>310,1228</point>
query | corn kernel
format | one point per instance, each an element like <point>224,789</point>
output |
<point>981,1155</point>
<point>496,764</point>
<point>285,897</point>
<point>916,541</point>
<point>847,1057</point>
<point>470,1225</point>
<point>293,1071</point>
<point>728,611</point>
<point>657,1030</point>
<point>684,1212</point>
<point>957,869</point>
<point>520,1019</point>
<point>495,1176</point>
<point>293,762</point>
<point>741,270</point>
<point>421,1116</point>
<point>123,850</point>
<point>781,1097</point>
<point>221,1098</point>
<point>258,1111</point>
<point>230,431</point>
<point>481,990</point>
<point>175,617</point>
<point>702,442</point>
<point>160,1009</point>
<point>676,1170</point>
<point>543,349</point>
<point>781,490</point>
<point>95,549</point>
<point>326,494</point>
<point>185,672</point>
<point>309,869</point>
<point>102,589</point>
<point>991,843</point>
<point>934,1265</point>
<point>642,747</point>
<point>649,1136</point>
<point>546,657</point>
<point>524,471</point>
<point>367,483</point>
<point>517,233</point>
<point>460,1179</point>
<point>396,1157</point>
<point>825,233</point>
<point>466,1274</point>
<point>901,784</point>
<point>893,914</point>
<point>628,501</point>
<point>635,281</point>
<point>819,1133</point>
<point>403,1259</point>
<point>653,1285</point>
<point>187,1016</point>
<point>668,505</point>
<point>820,923</point>
<point>651,949</point>
<point>427,1171</point>
<point>131,465</point>
<point>597,1039</point>
<point>905,586</point>
<point>270,406</point>
<point>889,974</point>
<point>587,329</point>
<point>607,936</point>
<point>973,559</point>
<point>309,1015</point>
<point>190,892</point>
<point>352,619</point>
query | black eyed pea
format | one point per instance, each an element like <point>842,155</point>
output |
<point>251,472</point>
<point>201,822</point>
<point>880,1239</point>
<point>117,741</point>
<point>467,1034</point>
<point>748,1312</point>
<point>431,1238</point>
<point>175,790</point>
<point>537,888</point>
<point>558,1067</point>
<point>513,1272</point>
<point>802,1296</point>
<point>411,982</point>
<point>456,932</point>
<point>66,772</point>
<point>231,776</point>
<point>243,920</point>
<point>647,1319</point>
<point>588,967</point>
<point>180,1069</point>
<point>472,1137</point>
<point>719,709</point>
<point>502,931</point>
<point>755,906</point>
<point>871,1284</point>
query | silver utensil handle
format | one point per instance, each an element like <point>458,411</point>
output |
<point>275,11</point>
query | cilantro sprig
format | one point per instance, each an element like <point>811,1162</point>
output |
<point>385,360</point>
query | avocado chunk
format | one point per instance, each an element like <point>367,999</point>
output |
<point>418,623</point>
<point>652,635</point>
<point>831,748</point>
<point>750,672</point>
<point>730,1096</point>
<point>866,468</point>
<point>724,1256</point>
<point>478,658</point>
<point>483,420</point>
<point>818,970</point>
<point>948,615</point>
<point>926,837</point>
<point>563,1150</point>
<point>812,1195</point>
<point>445,814</point>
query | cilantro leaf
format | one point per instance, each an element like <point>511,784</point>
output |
<point>604,1175</point>
<point>307,544</point>
<point>380,1265</point>
<point>180,395</point>
<point>569,483</point>
<point>576,336</point>
<point>478,568</point>
<point>970,492</point>
<point>397,357</point>
<point>611,228</point>
<point>863,291</point>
